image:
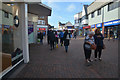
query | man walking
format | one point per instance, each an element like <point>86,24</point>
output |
<point>52,39</point>
<point>41,37</point>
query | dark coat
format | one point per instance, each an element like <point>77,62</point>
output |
<point>99,40</point>
<point>41,35</point>
<point>66,41</point>
<point>51,36</point>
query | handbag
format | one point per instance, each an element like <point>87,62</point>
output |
<point>93,47</point>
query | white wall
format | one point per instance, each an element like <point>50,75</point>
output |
<point>96,19</point>
<point>85,21</point>
<point>108,16</point>
<point>111,15</point>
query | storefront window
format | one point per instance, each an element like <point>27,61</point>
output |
<point>11,38</point>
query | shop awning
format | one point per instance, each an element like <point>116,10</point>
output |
<point>86,27</point>
<point>39,9</point>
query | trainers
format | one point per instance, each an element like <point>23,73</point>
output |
<point>100,59</point>
<point>95,59</point>
<point>88,63</point>
<point>90,60</point>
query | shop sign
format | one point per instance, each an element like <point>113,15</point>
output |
<point>42,29</point>
<point>30,30</point>
<point>6,26</point>
<point>111,23</point>
<point>69,27</point>
<point>81,28</point>
<point>99,25</point>
<point>86,27</point>
<point>92,26</point>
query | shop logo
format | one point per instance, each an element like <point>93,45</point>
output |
<point>16,21</point>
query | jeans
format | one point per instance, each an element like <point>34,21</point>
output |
<point>41,40</point>
<point>66,48</point>
<point>52,44</point>
<point>99,49</point>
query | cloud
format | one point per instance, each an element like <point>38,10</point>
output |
<point>53,5</point>
<point>71,7</point>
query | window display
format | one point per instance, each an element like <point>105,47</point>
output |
<point>11,38</point>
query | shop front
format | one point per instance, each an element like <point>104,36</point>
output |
<point>42,28</point>
<point>14,31</point>
<point>86,30</point>
<point>99,26</point>
<point>92,27</point>
<point>112,26</point>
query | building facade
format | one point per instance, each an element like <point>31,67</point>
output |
<point>104,16</point>
<point>77,23</point>
<point>101,15</point>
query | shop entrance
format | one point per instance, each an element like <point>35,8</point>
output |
<point>111,29</point>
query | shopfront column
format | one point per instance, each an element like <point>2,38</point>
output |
<point>103,28</point>
<point>24,25</point>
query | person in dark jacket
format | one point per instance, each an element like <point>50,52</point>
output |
<point>99,42</point>
<point>48,37</point>
<point>52,39</point>
<point>75,34</point>
<point>41,37</point>
<point>66,39</point>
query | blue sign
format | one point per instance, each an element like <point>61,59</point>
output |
<point>6,26</point>
<point>69,27</point>
<point>112,23</point>
<point>99,25</point>
<point>92,26</point>
<point>81,28</point>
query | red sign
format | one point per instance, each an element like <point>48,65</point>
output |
<point>86,27</point>
<point>42,29</point>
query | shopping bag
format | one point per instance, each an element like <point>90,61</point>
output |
<point>57,46</point>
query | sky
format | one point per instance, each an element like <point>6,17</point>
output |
<point>64,11</point>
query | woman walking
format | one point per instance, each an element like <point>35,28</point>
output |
<point>99,42</point>
<point>88,46</point>
<point>66,38</point>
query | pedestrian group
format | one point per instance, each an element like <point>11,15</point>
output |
<point>93,41</point>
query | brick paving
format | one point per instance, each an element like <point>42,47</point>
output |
<point>58,64</point>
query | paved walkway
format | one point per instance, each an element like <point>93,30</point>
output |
<point>58,64</point>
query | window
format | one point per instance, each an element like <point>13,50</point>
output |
<point>113,5</point>
<point>42,17</point>
<point>76,21</point>
<point>92,14</point>
<point>6,14</point>
<point>99,12</point>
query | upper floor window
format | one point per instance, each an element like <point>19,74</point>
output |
<point>76,21</point>
<point>99,12</point>
<point>113,5</point>
<point>6,14</point>
<point>92,14</point>
<point>41,22</point>
<point>42,17</point>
